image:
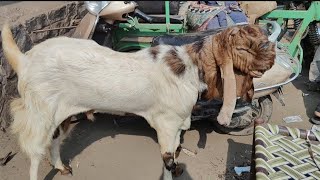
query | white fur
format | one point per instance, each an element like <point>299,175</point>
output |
<point>62,77</point>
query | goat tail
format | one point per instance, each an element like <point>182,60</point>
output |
<point>10,48</point>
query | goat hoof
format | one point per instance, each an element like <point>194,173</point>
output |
<point>168,160</point>
<point>177,171</point>
<point>66,170</point>
<point>223,119</point>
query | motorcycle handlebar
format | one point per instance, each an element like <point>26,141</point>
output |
<point>142,15</point>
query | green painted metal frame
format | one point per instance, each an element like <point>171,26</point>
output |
<point>307,16</point>
<point>133,28</point>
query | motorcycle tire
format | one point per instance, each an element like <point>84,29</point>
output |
<point>261,108</point>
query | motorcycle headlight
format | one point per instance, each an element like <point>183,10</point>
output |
<point>95,7</point>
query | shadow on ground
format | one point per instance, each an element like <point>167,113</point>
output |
<point>239,154</point>
<point>203,127</point>
<point>184,176</point>
<point>85,133</point>
<point>310,102</point>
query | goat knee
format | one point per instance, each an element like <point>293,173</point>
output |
<point>168,160</point>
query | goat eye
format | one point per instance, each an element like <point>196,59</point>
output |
<point>241,49</point>
<point>250,44</point>
<point>264,45</point>
<point>246,50</point>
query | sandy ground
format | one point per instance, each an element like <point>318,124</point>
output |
<point>128,149</point>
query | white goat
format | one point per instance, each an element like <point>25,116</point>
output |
<point>62,76</point>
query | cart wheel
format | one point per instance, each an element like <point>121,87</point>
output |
<point>244,124</point>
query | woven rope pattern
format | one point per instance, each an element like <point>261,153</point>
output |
<point>282,153</point>
<point>197,15</point>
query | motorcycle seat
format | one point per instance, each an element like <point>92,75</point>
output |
<point>182,39</point>
<point>158,7</point>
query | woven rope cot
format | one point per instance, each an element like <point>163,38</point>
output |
<point>285,153</point>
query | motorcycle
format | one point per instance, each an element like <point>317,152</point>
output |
<point>120,25</point>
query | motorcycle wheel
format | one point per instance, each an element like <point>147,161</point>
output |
<point>261,108</point>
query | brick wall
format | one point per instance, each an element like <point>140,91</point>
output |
<point>26,35</point>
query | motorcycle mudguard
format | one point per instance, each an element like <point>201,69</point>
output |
<point>86,27</point>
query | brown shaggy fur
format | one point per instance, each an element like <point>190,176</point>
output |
<point>247,47</point>
<point>65,124</point>
<point>174,62</point>
<point>64,127</point>
<point>154,51</point>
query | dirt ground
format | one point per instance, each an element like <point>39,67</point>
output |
<point>117,149</point>
<point>126,148</point>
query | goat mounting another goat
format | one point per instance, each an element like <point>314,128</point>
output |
<point>62,76</point>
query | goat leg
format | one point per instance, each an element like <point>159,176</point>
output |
<point>169,158</point>
<point>177,153</point>
<point>60,133</point>
<point>229,94</point>
<point>172,166</point>
<point>177,170</point>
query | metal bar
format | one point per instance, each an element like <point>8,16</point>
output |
<point>307,15</point>
<point>289,14</point>
<point>293,46</point>
<point>315,6</point>
<point>43,30</point>
<point>167,6</point>
<point>280,21</point>
<point>146,32</point>
<point>151,27</point>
